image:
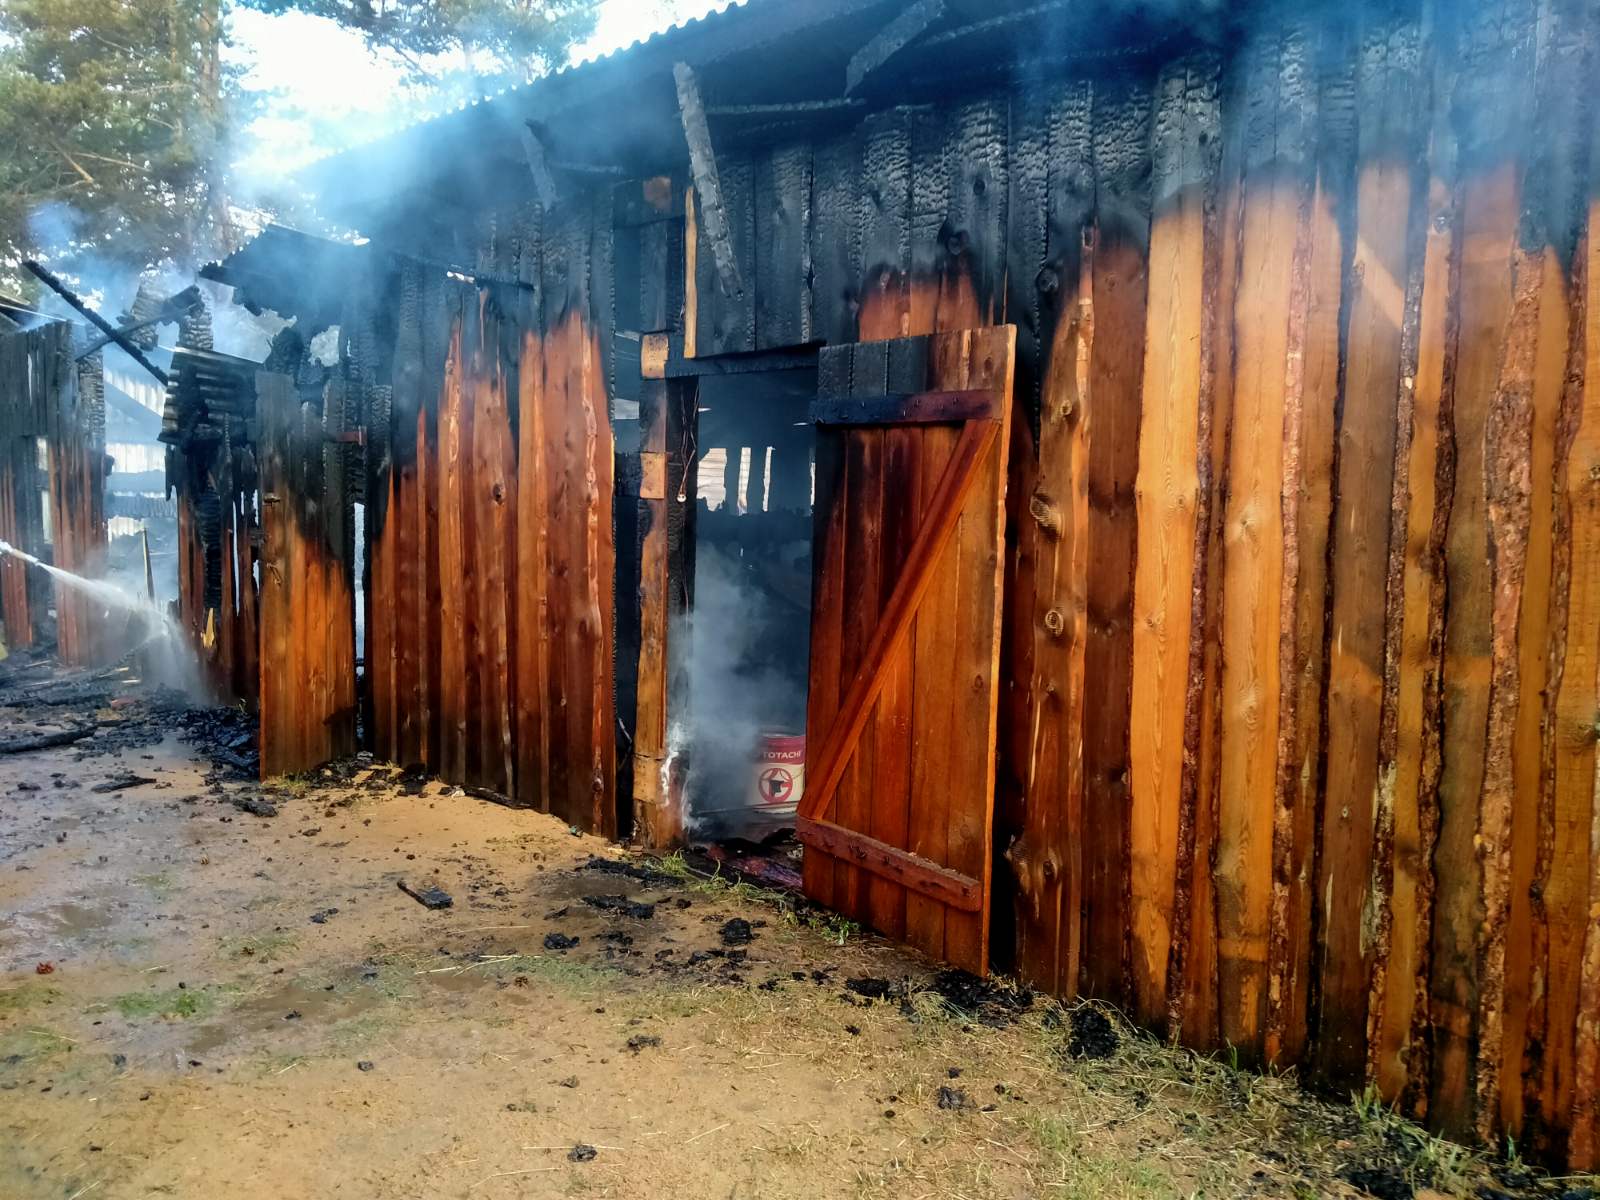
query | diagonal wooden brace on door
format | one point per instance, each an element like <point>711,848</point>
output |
<point>903,698</point>
<point>960,891</point>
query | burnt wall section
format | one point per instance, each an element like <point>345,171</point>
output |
<point>307,663</point>
<point>490,602</point>
<point>1299,679</point>
<point>209,428</point>
<point>1301,619</point>
<point>1297,733</point>
<point>52,489</point>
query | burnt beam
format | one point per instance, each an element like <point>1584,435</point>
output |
<point>792,108</point>
<point>703,164</point>
<point>544,180</point>
<point>48,278</point>
<point>890,41</point>
<point>174,308</point>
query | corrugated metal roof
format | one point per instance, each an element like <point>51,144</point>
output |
<point>689,27</point>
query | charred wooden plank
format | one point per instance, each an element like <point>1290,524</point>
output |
<point>702,158</point>
<point>906,27</point>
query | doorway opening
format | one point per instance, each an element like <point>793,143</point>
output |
<point>741,658</point>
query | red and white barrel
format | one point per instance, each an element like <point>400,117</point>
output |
<point>780,774</point>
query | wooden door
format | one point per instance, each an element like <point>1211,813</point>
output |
<point>905,635</point>
<point>308,675</point>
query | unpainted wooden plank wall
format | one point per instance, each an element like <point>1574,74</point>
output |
<point>1359,734</point>
<point>490,606</point>
<point>1299,719</point>
<point>307,596</point>
<point>43,397</point>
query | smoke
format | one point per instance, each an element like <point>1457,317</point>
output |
<point>132,626</point>
<point>732,688</point>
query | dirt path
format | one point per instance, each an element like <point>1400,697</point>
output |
<point>244,1005</point>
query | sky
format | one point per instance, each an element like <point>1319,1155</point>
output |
<point>317,89</point>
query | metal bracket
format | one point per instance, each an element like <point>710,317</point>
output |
<point>703,163</point>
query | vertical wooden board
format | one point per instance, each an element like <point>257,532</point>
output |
<point>1398,1060</point>
<point>532,580</point>
<point>1026,217</point>
<point>782,243</point>
<point>1049,861</point>
<point>934,711</point>
<point>477,687</point>
<point>1523,978</point>
<point>273,402</point>
<point>497,484</point>
<point>1167,506</point>
<point>1046,861</point>
<point>883,216</point>
<point>1550,244</point>
<point>1489,218</point>
<point>1576,785</point>
<point>1573,1005</point>
<point>565,576</point>
<point>726,320</point>
<point>864,484</point>
<point>452,568</point>
<point>660,824</point>
<point>599,778</point>
<point>972,275</point>
<point>1359,562</point>
<point>828,598</point>
<point>249,599</point>
<point>1118,285</point>
<point>835,250</point>
<point>985,361</point>
<point>382,602</point>
<point>928,230</point>
<point>1253,540</point>
<point>890,808</point>
<point>1304,669</point>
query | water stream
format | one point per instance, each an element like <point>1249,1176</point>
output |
<point>151,630</point>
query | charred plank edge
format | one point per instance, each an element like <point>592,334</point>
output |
<point>944,512</point>
<point>977,404</point>
<point>889,41</point>
<point>703,162</point>
<point>786,108</point>
<point>910,870</point>
<point>681,363</point>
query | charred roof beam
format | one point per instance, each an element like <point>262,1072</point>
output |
<point>889,41</point>
<point>174,308</point>
<point>703,164</point>
<point>544,180</point>
<point>55,285</point>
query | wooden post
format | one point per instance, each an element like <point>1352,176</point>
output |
<point>668,422</point>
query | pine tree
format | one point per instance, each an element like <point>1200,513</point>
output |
<point>116,115</point>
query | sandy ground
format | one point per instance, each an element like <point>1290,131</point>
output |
<point>196,1001</point>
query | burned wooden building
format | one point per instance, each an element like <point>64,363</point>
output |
<point>52,483</point>
<point>1178,420</point>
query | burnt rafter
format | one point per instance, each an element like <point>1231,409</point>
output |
<point>48,278</point>
<point>173,309</point>
<point>703,163</point>
<point>544,180</point>
<point>889,41</point>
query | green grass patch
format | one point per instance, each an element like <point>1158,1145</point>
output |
<point>178,1003</point>
<point>27,996</point>
<point>22,1047</point>
<point>260,947</point>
